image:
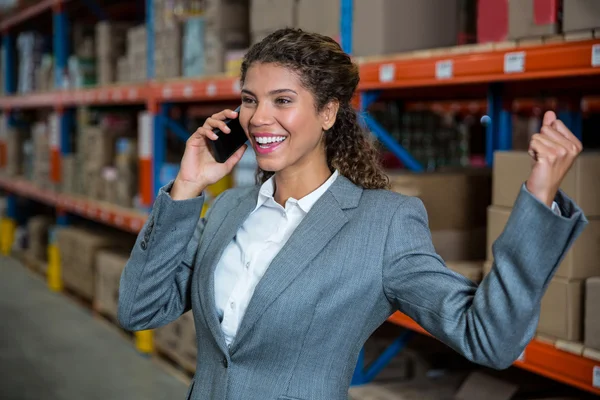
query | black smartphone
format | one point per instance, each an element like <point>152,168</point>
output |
<point>228,143</point>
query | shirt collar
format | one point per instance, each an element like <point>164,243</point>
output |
<point>267,191</point>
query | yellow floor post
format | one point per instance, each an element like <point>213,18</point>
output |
<point>144,341</point>
<point>54,275</point>
<point>7,235</point>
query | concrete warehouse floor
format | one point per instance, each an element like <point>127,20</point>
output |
<point>53,349</point>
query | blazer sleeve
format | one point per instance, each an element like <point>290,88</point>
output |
<point>155,284</point>
<point>490,324</point>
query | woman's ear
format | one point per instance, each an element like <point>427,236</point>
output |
<point>329,114</point>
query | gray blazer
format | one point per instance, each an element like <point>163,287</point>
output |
<point>357,257</point>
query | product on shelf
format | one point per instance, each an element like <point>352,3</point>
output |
<point>41,155</point>
<point>44,78</point>
<point>561,313</point>
<point>492,21</point>
<point>124,72</point>
<point>111,41</point>
<point>592,313</point>
<point>126,162</point>
<point>456,206</point>
<point>15,138</point>
<point>109,267</point>
<point>267,16</point>
<point>78,248</point>
<point>37,230</point>
<point>177,340</point>
<point>30,51</point>
<point>168,51</point>
<point>137,51</point>
<point>194,57</point>
<point>533,18</point>
<point>580,15</point>
<point>82,72</point>
<point>69,171</point>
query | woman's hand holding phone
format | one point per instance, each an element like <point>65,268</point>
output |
<point>199,168</point>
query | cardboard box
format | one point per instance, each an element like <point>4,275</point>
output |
<point>580,15</point>
<point>453,200</point>
<point>320,16</point>
<point>459,245</point>
<point>582,183</point>
<point>271,15</point>
<point>109,267</point>
<point>69,174</point>
<point>37,231</point>
<point>592,313</point>
<point>487,267</point>
<point>178,341</point>
<point>533,18</point>
<point>561,312</point>
<point>580,262</point>
<point>482,386</point>
<point>472,270</point>
<point>111,39</point>
<point>193,47</point>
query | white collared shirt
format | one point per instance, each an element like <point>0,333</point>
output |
<point>246,259</point>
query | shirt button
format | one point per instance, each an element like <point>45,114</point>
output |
<point>247,265</point>
<point>143,245</point>
<point>225,362</point>
<point>232,305</point>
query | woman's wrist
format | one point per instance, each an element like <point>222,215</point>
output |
<point>185,190</point>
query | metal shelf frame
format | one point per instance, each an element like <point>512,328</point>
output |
<point>578,62</point>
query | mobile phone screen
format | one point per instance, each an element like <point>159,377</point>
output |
<point>229,143</point>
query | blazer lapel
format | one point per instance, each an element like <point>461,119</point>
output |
<point>318,227</point>
<point>215,248</point>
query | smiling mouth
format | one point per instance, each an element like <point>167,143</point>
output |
<point>266,142</point>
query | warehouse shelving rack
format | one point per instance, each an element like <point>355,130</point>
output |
<point>450,78</point>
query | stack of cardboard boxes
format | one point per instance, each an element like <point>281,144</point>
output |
<point>126,168</point>
<point>456,204</point>
<point>167,53</point>
<point>41,155</point>
<point>379,26</point>
<point>78,248</point>
<point>137,53</point>
<point>15,138</point>
<point>109,267</point>
<point>562,306</point>
<point>111,40</point>
<point>37,234</point>
<point>177,340</point>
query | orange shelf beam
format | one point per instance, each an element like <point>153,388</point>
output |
<point>27,13</point>
<point>217,88</point>
<point>545,61</point>
<point>123,94</point>
<point>105,213</point>
<point>540,358</point>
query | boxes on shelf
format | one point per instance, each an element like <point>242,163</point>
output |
<point>168,52</point>
<point>233,62</point>
<point>41,155</point>
<point>580,262</point>
<point>582,183</point>
<point>137,52</point>
<point>561,312</point>
<point>78,248</point>
<point>456,204</point>
<point>472,270</point>
<point>267,16</point>
<point>111,42</point>
<point>69,170</point>
<point>178,341</point>
<point>533,18</point>
<point>492,21</point>
<point>37,230</point>
<point>126,163</point>
<point>123,70</point>
<point>14,156</point>
<point>82,72</point>
<point>592,313</point>
<point>194,60</point>
<point>319,16</point>
<point>109,267</point>
<point>30,52</point>
<point>580,15</point>
<point>44,75</point>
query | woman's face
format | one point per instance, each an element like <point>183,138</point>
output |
<point>280,119</point>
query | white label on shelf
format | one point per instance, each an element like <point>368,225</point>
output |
<point>387,73</point>
<point>596,376</point>
<point>103,96</point>
<point>117,96</point>
<point>145,135</point>
<point>237,88</point>
<point>211,89</point>
<point>54,132</point>
<point>596,55</point>
<point>167,92</point>
<point>444,69</point>
<point>104,216</point>
<point>132,94</point>
<point>118,220</point>
<point>522,357</point>
<point>514,62</point>
<point>134,224</point>
<point>188,91</point>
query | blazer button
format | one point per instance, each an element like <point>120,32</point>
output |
<point>225,362</point>
<point>143,245</point>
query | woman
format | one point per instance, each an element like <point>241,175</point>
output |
<point>289,278</point>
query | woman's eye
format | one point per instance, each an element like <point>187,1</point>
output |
<point>248,100</point>
<point>283,100</point>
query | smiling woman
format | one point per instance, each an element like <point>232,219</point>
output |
<point>288,279</point>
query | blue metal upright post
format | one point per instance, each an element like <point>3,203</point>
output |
<point>499,126</point>
<point>159,143</point>
<point>8,47</point>
<point>346,22</point>
<point>61,46</point>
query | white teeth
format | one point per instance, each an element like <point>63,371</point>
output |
<point>270,139</point>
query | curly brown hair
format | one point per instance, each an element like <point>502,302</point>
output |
<point>329,74</point>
